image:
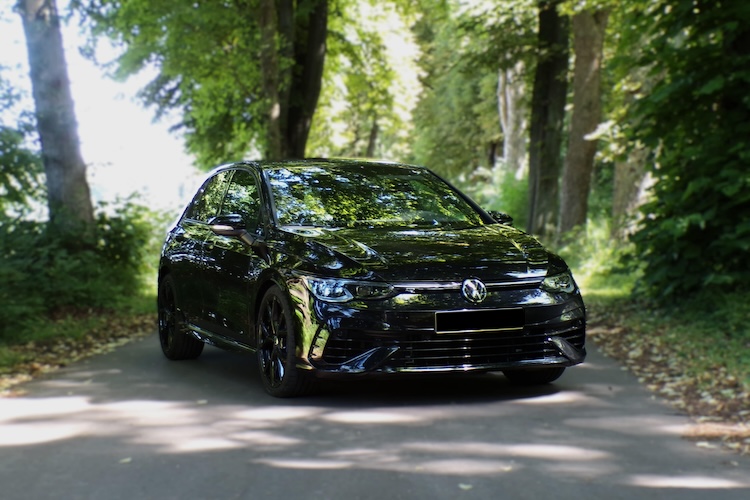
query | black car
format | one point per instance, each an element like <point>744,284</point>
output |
<point>346,268</point>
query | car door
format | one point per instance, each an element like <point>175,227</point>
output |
<point>233,265</point>
<point>188,260</point>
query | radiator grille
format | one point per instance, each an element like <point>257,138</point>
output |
<point>425,350</point>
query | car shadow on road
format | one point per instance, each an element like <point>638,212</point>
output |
<point>396,390</point>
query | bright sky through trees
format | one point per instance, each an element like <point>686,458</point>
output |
<point>125,150</point>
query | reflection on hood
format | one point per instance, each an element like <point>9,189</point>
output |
<point>490,252</point>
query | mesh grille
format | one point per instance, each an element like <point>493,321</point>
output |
<point>424,350</point>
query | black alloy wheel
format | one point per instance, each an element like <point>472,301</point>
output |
<point>175,343</point>
<point>538,376</point>
<point>276,348</point>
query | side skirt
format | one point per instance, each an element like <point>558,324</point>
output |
<point>219,341</point>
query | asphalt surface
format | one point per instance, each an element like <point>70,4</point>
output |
<point>131,425</point>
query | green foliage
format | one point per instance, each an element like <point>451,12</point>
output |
<point>595,261</point>
<point>42,275</point>
<point>456,125</point>
<point>696,230</point>
<point>358,113</point>
<point>213,59</point>
<point>498,190</point>
<point>207,60</point>
<point>20,167</point>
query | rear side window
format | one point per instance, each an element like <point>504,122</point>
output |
<point>207,201</point>
<point>242,198</point>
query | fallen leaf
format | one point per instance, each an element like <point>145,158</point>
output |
<point>706,444</point>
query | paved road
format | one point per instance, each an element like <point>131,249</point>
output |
<point>130,425</point>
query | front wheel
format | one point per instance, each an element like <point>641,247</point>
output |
<point>539,376</point>
<point>276,348</point>
<point>175,343</point>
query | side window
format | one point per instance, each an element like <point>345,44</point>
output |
<point>208,199</point>
<point>242,198</point>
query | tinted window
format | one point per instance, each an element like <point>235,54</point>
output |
<point>242,198</point>
<point>208,199</point>
<point>366,196</point>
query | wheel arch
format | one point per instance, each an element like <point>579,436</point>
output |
<point>266,283</point>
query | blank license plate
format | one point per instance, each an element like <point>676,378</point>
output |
<point>480,320</point>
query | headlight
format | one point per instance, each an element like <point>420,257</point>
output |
<point>338,290</point>
<point>562,282</point>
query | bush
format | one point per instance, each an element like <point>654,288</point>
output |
<point>498,190</point>
<point>695,232</point>
<point>43,276</point>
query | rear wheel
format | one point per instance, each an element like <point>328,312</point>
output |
<point>175,342</point>
<point>276,348</point>
<point>538,376</point>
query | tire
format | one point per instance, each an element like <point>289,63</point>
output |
<point>539,376</point>
<point>276,348</point>
<point>176,344</point>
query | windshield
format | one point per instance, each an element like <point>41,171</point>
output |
<point>366,195</point>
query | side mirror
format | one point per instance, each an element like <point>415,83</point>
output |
<point>227,225</point>
<point>233,226</point>
<point>501,217</point>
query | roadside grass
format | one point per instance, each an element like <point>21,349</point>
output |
<point>48,343</point>
<point>63,300</point>
<point>708,332</point>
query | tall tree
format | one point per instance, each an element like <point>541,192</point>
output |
<point>588,39</point>
<point>244,75</point>
<point>473,61</point>
<point>68,193</point>
<point>511,88</point>
<point>361,100</point>
<point>547,113</point>
<point>455,103</point>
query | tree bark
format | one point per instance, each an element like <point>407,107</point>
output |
<point>68,193</point>
<point>547,112</point>
<point>510,91</point>
<point>292,58</point>
<point>631,184</point>
<point>311,32</point>
<point>372,140</point>
<point>269,64</point>
<point>588,39</point>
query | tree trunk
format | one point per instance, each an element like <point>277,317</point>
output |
<point>269,64</point>
<point>68,194</point>
<point>631,184</point>
<point>291,90</point>
<point>372,140</point>
<point>311,32</point>
<point>547,112</point>
<point>588,39</point>
<point>510,91</point>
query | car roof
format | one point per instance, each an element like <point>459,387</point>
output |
<point>315,162</point>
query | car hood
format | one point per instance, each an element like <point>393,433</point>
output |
<point>492,253</point>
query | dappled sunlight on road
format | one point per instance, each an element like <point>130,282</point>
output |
<point>690,482</point>
<point>560,398</point>
<point>641,425</point>
<point>467,430</point>
<point>317,436</point>
<point>373,417</point>
<point>33,434</point>
<point>290,463</point>
<point>530,450</point>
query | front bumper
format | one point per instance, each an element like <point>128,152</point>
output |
<point>399,335</point>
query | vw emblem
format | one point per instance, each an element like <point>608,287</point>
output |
<point>474,290</point>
